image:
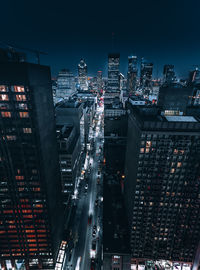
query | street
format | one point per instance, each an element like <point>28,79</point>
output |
<point>87,225</point>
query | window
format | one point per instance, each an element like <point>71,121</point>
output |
<point>27,130</point>
<point>18,89</point>
<point>6,114</point>
<point>3,88</point>
<point>24,114</point>
<point>141,150</point>
<point>19,177</point>
<point>20,97</point>
<point>21,106</point>
<point>4,97</point>
<point>11,138</point>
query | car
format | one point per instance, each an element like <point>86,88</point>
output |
<point>96,202</point>
<point>93,249</point>
<point>92,264</point>
<point>94,233</point>
<point>86,186</point>
<point>90,219</point>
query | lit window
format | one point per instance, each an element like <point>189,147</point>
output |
<point>4,97</point>
<point>23,114</point>
<point>36,189</point>
<point>3,88</point>
<point>148,144</point>
<point>147,150</point>
<point>20,97</point>
<point>27,130</point>
<point>141,150</point>
<point>6,114</point>
<point>19,177</point>
<point>172,170</point>
<point>11,138</point>
<point>175,151</point>
<point>18,88</point>
<point>179,164</point>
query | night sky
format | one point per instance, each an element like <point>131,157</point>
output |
<point>163,31</point>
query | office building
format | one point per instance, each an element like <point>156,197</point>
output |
<point>174,98</point>
<point>82,75</point>
<point>69,148</point>
<point>168,74</point>
<point>162,185</point>
<point>100,81</point>
<point>146,71</point>
<point>113,87</point>
<point>31,210</point>
<point>65,84</point>
<point>132,74</point>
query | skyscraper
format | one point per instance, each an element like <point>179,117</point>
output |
<point>146,71</point>
<point>168,74</point>
<point>31,214</point>
<point>162,185</point>
<point>132,74</point>
<point>113,87</point>
<point>65,84</point>
<point>99,81</point>
<point>82,75</point>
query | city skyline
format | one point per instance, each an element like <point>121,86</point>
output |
<point>162,33</point>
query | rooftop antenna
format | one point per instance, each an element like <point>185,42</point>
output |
<point>36,52</point>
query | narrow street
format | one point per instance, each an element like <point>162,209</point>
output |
<point>88,217</point>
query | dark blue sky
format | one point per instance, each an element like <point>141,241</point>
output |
<point>163,31</point>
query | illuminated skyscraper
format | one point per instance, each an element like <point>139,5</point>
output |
<point>132,74</point>
<point>31,214</point>
<point>65,84</point>
<point>113,87</point>
<point>82,75</point>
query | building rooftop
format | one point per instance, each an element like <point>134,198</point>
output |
<point>151,118</point>
<point>180,119</point>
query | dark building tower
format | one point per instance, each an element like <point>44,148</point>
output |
<point>113,89</point>
<point>146,72</point>
<point>132,74</point>
<point>99,81</point>
<point>82,75</point>
<point>162,185</point>
<point>168,74</point>
<point>30,190</point>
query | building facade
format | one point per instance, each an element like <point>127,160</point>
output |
<point>31,222</point>
<point>146,71</point>
<point>132,74</point>
<point>113,86</point>
<point>162,185</point>
<point>65,84</point>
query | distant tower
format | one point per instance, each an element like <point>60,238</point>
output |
<point>113,89</point>
<point>168,74</point>
<point>132,74</point>
<point>146,72</point>
<point>99,80</point>
<point>82,75</point>
<point>65,84</point>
